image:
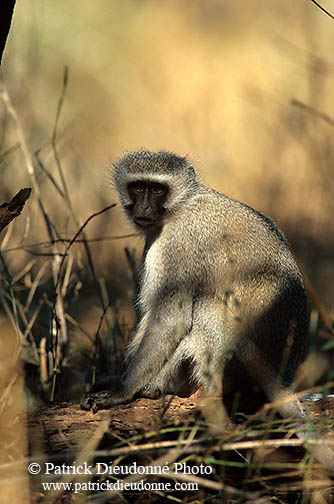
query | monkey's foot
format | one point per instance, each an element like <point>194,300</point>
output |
<point>150,393</point>
<point>104,399</point>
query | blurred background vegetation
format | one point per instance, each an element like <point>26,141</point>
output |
<point>245,89</point>
<point>240,87</point>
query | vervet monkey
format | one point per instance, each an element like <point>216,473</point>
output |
<point>219,289</point>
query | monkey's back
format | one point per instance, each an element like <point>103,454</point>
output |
<point>222,233</point>
<point>245,269</point>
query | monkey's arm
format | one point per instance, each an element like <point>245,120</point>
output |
<point>157,338</point>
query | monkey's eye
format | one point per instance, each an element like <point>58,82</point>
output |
<point>158,190</point>
<point>138,189</point>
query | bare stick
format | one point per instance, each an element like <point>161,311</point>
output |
<point>8,211</point>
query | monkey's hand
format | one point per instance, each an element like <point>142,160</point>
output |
<point>96,400</point>
<point>104,394</point>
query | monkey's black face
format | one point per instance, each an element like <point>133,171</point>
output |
<point>148,199</point>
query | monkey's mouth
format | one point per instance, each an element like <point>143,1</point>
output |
<point>144,222</point>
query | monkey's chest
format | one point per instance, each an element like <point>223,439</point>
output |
<point>152,275</point>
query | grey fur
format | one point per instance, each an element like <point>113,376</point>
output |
<point>219,288</point>
<point>219,284</point>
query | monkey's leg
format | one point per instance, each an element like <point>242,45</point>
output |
<point>154,349</point>
<point>160,383</point>
<point>100,394</point>
<point>208,372</point>
<point>206,375</point>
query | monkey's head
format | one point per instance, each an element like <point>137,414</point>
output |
<point>153,184</point>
